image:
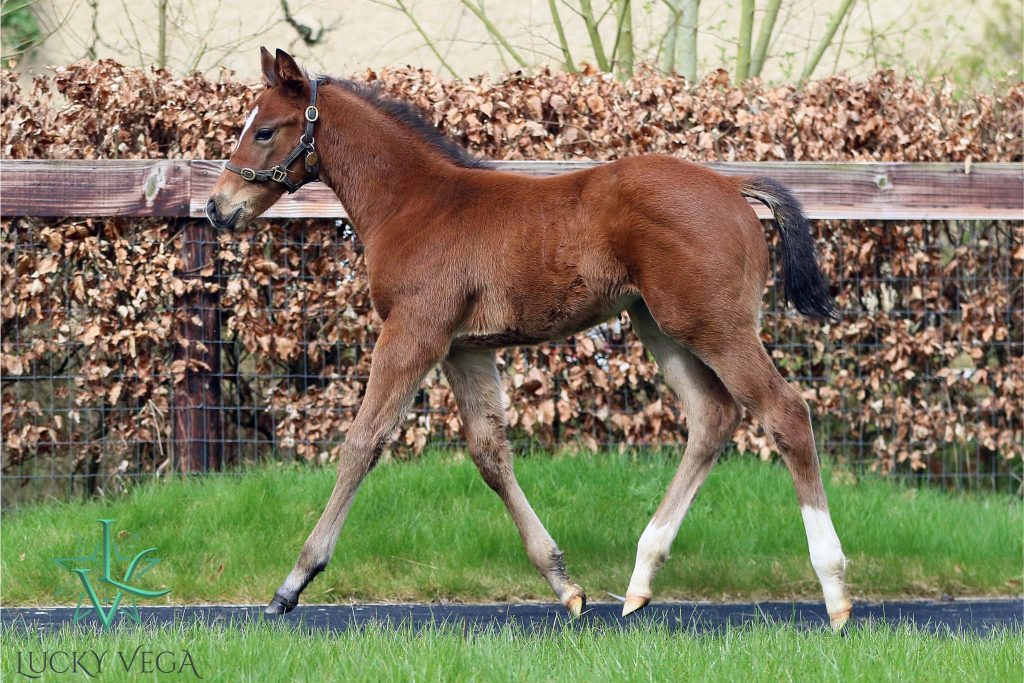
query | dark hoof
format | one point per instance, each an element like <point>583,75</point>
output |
<point>280,605</point>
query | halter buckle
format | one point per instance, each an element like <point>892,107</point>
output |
<point>248,174</point>
<point>312,113</point>
<point>278,174</point>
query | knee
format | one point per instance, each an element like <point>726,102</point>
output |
<point>494,473</point>
<point>362,449</point>
<point>491,457</point>
<point>726,418</point>
<point>484,429</point>
<point>717,422</point>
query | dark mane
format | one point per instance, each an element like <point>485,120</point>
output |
<point>412,117</point>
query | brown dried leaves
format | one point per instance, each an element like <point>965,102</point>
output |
<point>927,363</point>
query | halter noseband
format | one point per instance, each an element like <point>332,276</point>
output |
<point>279,173</point>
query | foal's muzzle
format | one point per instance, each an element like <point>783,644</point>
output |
<point>218,220</point>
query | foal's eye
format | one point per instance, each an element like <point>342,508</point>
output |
<point>264,134</point>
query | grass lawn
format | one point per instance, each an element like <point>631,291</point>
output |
<point>432,530</point>
<point>647,651</point>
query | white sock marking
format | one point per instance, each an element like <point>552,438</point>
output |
<point>651,553</point>
<point>826,556</point>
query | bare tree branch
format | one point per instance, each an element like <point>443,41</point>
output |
<point>680,50</point>
<point>570,65</point>
<point>401,7</point>
<point>493,30</point>
<point>687,46</point>
<point>622,53</point>
<point>94,5</point>
<point>826,40</point>
<point>587,12</point>
<point>305,32</point>
<point>668,47</point>
<point>161,32</point>
<point>764,37</point>
<point>30,44</point>
<point>745,36</point>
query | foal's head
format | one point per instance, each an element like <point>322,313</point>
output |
<point>272,131</point>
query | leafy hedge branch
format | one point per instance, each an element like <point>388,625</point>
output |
<point>917,378</point>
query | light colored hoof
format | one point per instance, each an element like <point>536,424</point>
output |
<point>576,604</point>
<point>634,603</point>
<point>840,616</point>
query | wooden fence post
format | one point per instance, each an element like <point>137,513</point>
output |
<point>198,436</point>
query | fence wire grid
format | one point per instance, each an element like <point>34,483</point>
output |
<point>133,350</point>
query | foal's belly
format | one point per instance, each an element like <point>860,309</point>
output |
<point>536,324</point>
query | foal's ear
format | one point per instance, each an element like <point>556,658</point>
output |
<point>268,66</point>
<point>289,74</point>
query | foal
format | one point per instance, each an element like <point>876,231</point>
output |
<point>464,259</point>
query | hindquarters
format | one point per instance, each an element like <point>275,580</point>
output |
<point>693,246</point>
<point>700,260</point>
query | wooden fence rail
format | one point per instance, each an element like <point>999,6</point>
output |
<point>180,188</point>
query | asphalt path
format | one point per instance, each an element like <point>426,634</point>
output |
<point>976,616</point>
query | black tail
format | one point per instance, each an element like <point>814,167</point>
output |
<point>806,285</point>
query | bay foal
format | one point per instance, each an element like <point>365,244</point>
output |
<point>464,259</point>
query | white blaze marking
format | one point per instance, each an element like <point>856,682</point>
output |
<point>248,122</point>
<point>826,555</point>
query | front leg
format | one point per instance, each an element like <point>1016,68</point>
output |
<point>406,350</point>
<point>474,380</point>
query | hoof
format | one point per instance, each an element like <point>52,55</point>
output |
<point>576,604</point>
<point>280,605</point>
<point>841,615</point>
<point>634,603</point>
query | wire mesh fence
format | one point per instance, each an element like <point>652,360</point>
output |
<point>140,349</point>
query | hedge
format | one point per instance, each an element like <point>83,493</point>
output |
<point>924,373</point>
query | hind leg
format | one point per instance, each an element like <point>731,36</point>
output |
<point>726,340</point>
<point>711,416</point>
<point>746,370</point>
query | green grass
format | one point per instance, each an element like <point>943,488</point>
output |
<point>647,651</point>
<point>432,530</point>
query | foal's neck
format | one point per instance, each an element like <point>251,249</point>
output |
<point>376,166</point>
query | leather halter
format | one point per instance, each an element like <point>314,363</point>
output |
<point>279,173</point>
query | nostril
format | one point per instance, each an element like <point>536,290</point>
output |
<point>211,211</point>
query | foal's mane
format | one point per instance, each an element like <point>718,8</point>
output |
<point>412,118</point>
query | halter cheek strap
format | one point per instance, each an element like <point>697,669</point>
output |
<point>279,173</point>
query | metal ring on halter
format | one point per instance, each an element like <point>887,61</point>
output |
<point>302,140</point>
<point>248,174</point>
<point>312,113</point>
